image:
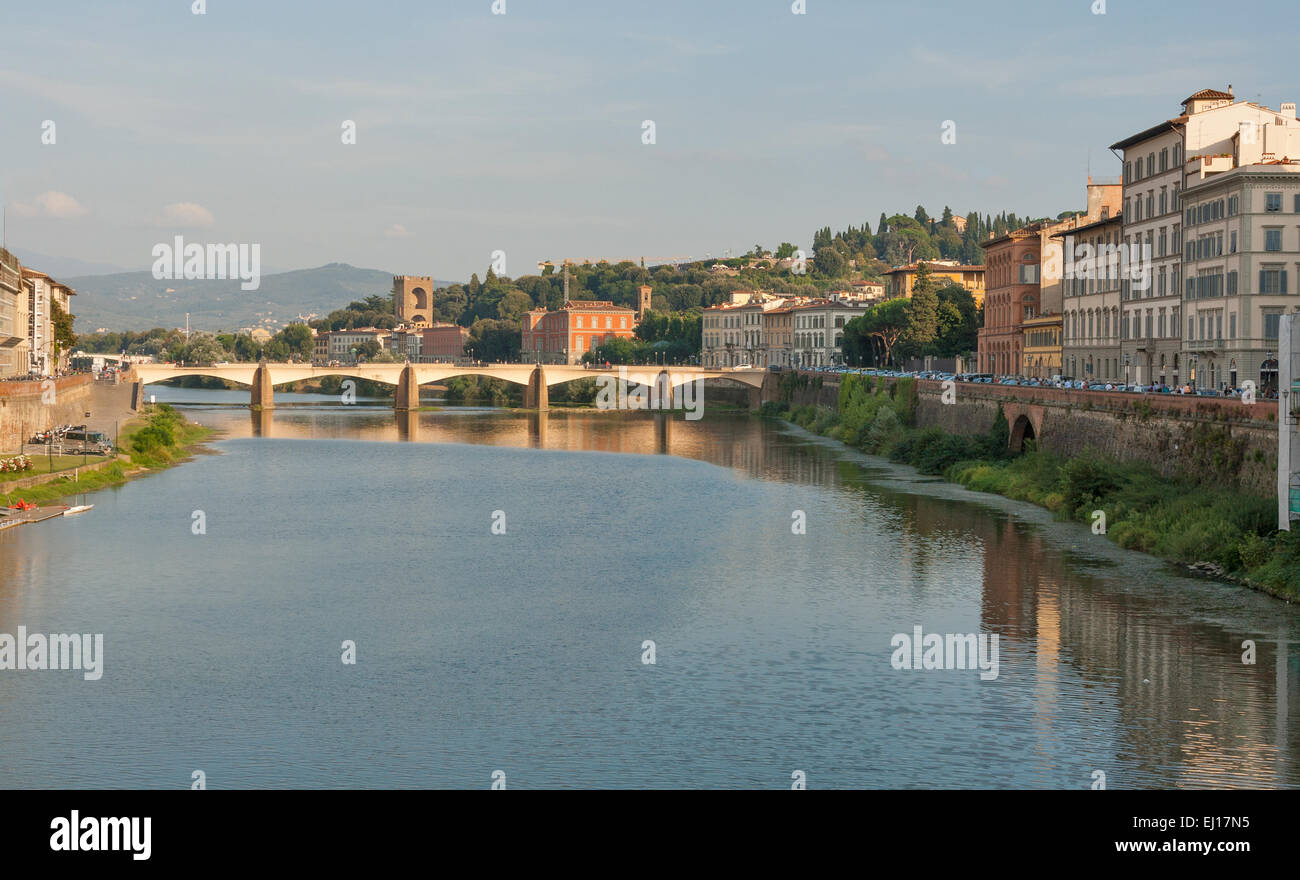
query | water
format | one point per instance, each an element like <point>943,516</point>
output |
<point>522,652</point>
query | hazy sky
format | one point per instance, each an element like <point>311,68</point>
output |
<point>523,132</point>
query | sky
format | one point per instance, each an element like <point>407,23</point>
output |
<point>523,132</point>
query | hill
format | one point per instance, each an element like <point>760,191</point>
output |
<point>136,300</point>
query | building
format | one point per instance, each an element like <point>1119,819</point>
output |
<point>13,317</point>
<point>1013,263</point>
<point>1241,259</point>
<point>443,342</point>
<point>870,291</point>
<point>1026,271</point>
<point>778,336</point>
<point>1206,138</point>
<point>733,333</point>
<point>413,299</point>
<point>1041,337</point>
<point>1090,312</point>
<point>818,331</point>
<point>566,334</point>
<point>45,296</point>
<point>344,345</point>
<point>899,280</point>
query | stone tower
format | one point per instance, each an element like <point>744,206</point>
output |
<point>643,301</point>
<point>413,299</point>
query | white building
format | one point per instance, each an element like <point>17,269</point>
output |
<point>1159,163</point>
<point>1242,259</point>
<point>818,331</point>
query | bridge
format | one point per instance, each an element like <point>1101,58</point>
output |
<point>536,379</point>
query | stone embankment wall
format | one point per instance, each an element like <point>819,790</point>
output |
<point>1180,436</point>
<point>28,407</point>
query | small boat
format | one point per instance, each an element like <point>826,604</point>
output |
<point>80,508</point>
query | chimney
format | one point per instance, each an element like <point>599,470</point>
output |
<point>1288,110</point>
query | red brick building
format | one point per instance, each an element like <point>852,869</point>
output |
<point>1012,271</point>
<point>565,335</point>
<point>443,342</point>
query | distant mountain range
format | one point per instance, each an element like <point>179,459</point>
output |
<point>138,301</point>
<point>63,267</point>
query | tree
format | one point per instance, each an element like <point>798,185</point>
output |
<point>64,338</point>
<point>202,348</point>
<point>829,262</point>
<point>922,309</point>
<point>785,250</point>
<point>298,341</point>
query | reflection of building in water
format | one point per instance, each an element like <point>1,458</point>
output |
<point>1182,698</point>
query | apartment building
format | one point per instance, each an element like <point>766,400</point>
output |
<point>1159,162</point>
<point>13,317</point>
<point>45,296</point>
<point>817,331</point>
<point>1090,311</point>
<point>778,336</point>
<point>1242,262</point>
<point>732,333</point>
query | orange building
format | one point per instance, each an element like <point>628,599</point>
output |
<point>443,342</point>
<point>899,280</point>
<point>565,335</point>
<point>1010,297</point>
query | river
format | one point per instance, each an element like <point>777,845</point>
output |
<point>524,652</point>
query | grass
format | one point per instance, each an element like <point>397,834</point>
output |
<point>158,439</point>
<point>1176,520</point>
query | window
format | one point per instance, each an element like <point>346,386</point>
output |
<point>1272,323</point>
<point>1272,239</point>
<point>1232,326</point>
<point>1272,202</point>
<point>1232,206</point>
<point>1164,162</point>
<point>579,323</point>
<point>1029,274</point>
<point>1232,285</point>
<point>1272,280</point>
<point>1232,249</point>
<point>1297,203</point>
<point>609,323</point>
<point>622,323</point>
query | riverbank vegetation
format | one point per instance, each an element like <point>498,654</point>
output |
<point>1177,520</point>
<point>157,440</point>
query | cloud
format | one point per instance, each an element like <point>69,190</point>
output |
<point>55,204</point>
<point>397,230</point>
<point>186,214</point>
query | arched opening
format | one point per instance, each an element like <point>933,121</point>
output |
<point>1021,431</point>
<point>421,298</point>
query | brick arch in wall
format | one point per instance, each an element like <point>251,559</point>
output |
<point>1025,421</point>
